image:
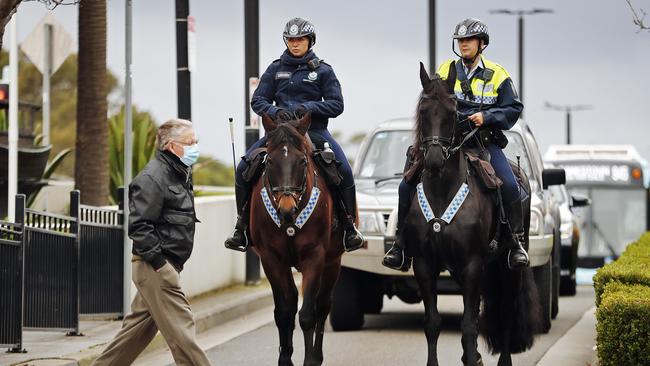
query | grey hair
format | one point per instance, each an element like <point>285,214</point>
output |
<point>171,130</point>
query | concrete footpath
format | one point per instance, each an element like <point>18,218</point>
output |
<point>210,310</point>
<point>226,314</point>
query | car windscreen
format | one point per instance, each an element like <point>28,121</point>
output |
<point>516,148</point>
<point>385,155</point>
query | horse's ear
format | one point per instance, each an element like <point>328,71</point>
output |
<point>451,78</point>
<point>424,76</point>
<point>268,123</point>
<point>304,123</point>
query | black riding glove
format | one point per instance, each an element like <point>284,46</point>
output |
<point>284,115</point>
<point>301,111</point>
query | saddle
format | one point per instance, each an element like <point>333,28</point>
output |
<point>325,160</point>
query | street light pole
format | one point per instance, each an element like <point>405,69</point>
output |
<point>432,36</point>
<point>183,80</point>
<point>520,25</point>
<point>567,109</point>
<point>251,71</point>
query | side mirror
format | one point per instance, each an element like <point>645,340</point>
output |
<point>553,177</point>
<point>578,200</point>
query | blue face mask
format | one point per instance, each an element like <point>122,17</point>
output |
<point>190,154</point>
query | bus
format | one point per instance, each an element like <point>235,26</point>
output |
<point>615,179</point>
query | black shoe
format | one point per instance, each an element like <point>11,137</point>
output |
<point>517,258</point>
<point>238,240</point>
<point>353,239</point>
<point>395,259</point>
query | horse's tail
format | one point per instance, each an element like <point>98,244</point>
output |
<point>511,314</point>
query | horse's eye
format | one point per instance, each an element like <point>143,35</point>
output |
<point>304,162</point>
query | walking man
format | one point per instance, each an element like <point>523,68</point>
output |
<point>161,225</point>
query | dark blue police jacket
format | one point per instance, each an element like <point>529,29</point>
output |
<point>291,82</point>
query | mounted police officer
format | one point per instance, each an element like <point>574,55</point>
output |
<point>299,82</point>
<point>486,98</point>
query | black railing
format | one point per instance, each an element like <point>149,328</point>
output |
<point>52,269</point>
<point>12,240</point>
<point>102,264</point>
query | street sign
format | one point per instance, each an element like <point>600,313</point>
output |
<point>34,46</point>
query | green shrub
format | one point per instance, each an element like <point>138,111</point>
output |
<point>633,267</point>
<point>623,325</point>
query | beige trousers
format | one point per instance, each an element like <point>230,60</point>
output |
<point>159,305</point>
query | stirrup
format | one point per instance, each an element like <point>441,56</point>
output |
<point>356,246</point>
<point>230,242</point>
<point>523,265</point>
<point>404,266</point>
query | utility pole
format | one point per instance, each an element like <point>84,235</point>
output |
<point>568,109</point>
<point>251,73</point>
<point>128,153</point>
<point>13,120</point>
<point>432,37</point>
<point>520,25</point>
<point>183,80</point>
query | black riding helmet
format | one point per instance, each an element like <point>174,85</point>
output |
<point>471,28</point>
<point>299,27</point>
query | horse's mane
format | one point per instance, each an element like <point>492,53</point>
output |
<point>286,132</point>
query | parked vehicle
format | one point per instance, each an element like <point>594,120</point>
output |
<point>569,236</point>
<point>378,168</point>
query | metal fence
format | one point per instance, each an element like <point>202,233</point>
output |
<point>102,265</point>
<point>52,269</point>
<point>11,279</point>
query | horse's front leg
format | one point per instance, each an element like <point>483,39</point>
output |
<point>285,297</point>
<point>324,304</point>
<point>471,288</point>
<point>426,273</point>
<point>312,272</point>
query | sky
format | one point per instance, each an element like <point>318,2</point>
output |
<point>587,52</point>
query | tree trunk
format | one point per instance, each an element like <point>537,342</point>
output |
<point>91,153</point>
<point>7,10</point>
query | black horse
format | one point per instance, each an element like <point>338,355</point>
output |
<point>511,311</point>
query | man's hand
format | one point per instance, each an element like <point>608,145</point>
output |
<point>477,118</point>
<point>301,111</point>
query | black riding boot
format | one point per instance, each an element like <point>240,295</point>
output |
<point>239,240</point>
<point>395,257</point>
<point>353,239</point>
<point>517,256</point>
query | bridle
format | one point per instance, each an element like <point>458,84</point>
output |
<point>297,192</point>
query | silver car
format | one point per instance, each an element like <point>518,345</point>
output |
<point>378,167</point>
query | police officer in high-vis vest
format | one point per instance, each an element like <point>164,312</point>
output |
<point>486,98</point>
<point>299,82</point>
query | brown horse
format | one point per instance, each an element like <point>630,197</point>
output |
<point>293,225</point>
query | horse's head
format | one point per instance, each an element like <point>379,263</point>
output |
<point>287,161</point>
<point>436,118</point>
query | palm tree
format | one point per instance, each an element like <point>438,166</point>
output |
<point>91,153</point>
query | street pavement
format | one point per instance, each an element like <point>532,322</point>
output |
<point>396,337</point>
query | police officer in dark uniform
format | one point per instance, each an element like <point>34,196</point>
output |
<point>299,83</point>
<point>486,98</point>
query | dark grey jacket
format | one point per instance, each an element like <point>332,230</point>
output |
<point>162,217</point>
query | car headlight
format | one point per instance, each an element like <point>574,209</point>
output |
<point>566,229</point>
<point>535,223</point>
<point>369,223</point>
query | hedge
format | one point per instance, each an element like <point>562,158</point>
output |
<point>633,267</point>
<point>624,325</point>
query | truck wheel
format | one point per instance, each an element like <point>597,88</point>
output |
<point>543,279</point>
<point>372,292</point>
<point>347,310</point>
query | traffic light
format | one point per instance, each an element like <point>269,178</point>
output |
<point>4,96</point>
